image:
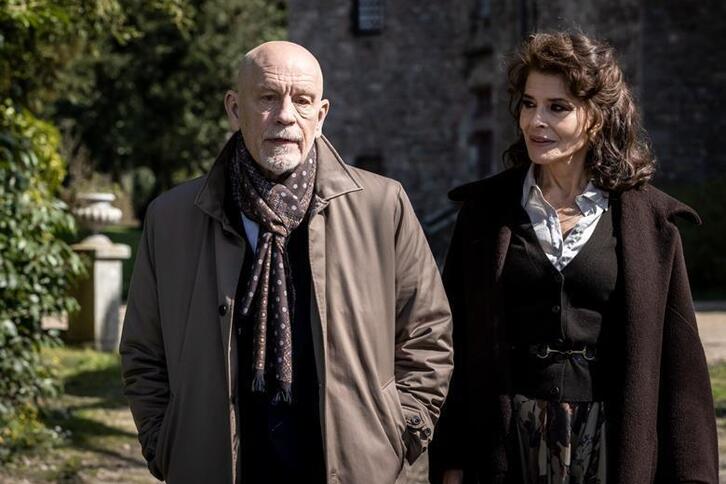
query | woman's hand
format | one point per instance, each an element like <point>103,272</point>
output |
<point>453,476</point>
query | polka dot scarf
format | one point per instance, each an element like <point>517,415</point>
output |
<point>278,207</point>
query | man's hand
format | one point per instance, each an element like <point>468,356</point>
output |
<point>453,476</point>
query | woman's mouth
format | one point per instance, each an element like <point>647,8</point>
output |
<point>541,141</point>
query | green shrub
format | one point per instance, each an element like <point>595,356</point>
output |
<point>36,266</point>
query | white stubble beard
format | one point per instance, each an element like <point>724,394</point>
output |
<point>281,160</point>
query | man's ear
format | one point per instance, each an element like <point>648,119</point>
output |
<point>322,113</point>
<point>231,105</point>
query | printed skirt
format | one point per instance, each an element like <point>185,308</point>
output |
<point>560,442</point>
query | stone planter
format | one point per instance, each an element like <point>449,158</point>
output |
<point>99,294</point>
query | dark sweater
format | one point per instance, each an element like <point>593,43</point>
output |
<point>565,310</point>
<point>281,442</point>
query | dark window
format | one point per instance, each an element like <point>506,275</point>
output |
<point>372,163</point>
<point>485,164</point>
<point>369,16</point>
<point>484,9</point>
<point>483,101</point>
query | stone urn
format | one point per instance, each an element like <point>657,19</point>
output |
<point>96,212</point>
<point>99,294</point>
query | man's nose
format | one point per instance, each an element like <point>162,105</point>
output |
<point>286,113</point>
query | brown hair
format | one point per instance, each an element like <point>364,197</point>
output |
<point>619,155</point>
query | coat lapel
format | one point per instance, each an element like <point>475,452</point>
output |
<point>229,250</point>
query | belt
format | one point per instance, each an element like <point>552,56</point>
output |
<point>545,351</point>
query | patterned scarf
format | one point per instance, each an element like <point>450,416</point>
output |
<point>278,207</point>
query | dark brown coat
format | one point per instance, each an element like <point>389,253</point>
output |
<point>661,424</point>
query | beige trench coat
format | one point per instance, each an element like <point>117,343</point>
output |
<point>381,328</point>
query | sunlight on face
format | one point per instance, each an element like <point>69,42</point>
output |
<point>553,122</point>
<point>278,105</point>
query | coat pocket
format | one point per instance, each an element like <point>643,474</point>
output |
<point>394,423</point>
<point>160,463</point>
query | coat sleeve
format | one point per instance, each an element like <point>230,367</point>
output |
<point>143,361</point>
<point>687,442</point>
<point>423,353</point>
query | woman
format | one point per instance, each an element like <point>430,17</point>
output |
<point>577,353</point>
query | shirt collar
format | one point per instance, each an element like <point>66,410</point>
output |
<point>592,198</point>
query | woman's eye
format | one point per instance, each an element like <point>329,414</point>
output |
<point>559,108</point>
<point>527,104</point>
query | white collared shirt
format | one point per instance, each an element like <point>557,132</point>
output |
<point>592,202</point>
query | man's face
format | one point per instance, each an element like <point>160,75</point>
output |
<point>280,108</point>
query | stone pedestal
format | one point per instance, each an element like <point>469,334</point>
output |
<point>99,294</point>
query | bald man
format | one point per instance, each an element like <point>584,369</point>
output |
<point>286,321</point>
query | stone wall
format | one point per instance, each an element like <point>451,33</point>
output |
<point>398,98</point>
<point>425,101</point>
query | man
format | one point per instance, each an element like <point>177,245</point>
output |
<point>286,320</point>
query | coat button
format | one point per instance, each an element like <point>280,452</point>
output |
<point>556,308</point>
<point>555,391</point>
<point>222,309</point>
<point>427,432</point>
<point>415,420</point>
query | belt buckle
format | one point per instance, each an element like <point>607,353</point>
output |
<point>547,352</point>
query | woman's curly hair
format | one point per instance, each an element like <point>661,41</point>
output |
<point>619,156</point>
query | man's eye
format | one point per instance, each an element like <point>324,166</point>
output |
<point>303,101</point>
<point>267,97</point>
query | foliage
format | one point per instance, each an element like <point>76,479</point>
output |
<point>87,427</point>
<point>155,101</point>
<point>136,83</point>
<point>36,266</point>
<point>26,430</point>
<point>38,39</point>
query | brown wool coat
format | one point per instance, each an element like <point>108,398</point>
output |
<point>661,424</point>
<point>380,323</point>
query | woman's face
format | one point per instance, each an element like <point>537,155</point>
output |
<point>553,122</point>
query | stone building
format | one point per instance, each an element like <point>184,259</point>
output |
<point>418,88</point>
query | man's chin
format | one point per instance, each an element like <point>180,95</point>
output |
<point>280,165</point>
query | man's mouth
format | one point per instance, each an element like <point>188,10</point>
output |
<point>281,140</point>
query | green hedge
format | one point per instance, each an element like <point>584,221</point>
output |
<point>36,266</point>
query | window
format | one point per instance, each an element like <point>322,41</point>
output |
<point>484,9</point>
<point>369,16</point>
<point>485,163</point>
<point>483,105</point>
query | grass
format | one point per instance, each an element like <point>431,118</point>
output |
<point>100,439</point>
<point>99,443</point>
<point>718,385</point>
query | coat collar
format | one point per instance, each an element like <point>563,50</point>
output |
<point>333,179</point>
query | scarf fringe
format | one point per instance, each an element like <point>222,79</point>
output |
<point>282,395</point>
<point>258,382</point>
